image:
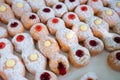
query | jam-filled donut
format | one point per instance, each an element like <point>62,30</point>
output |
<point>95,4</point>
<point>89,76</point>
<point>84,12</point>
<point>109,15</point>
<point>45,13</point>
<point>50,3</point>
<point>70,19</point>
<point>111,41</point>
<point>114,60</point>
<point>66,38</point>
<point>94,45</point>
<point>36,4</point>
<point>60,9</point>
<point>83,1</point>
<point>38,31</point>
<point>20,7</point>
<point>82,30</point>
<point>3,32</point>
<point>71,4</point>
<point>98,26</point>
<point>61,64</point>
<point>79,56</point>
<point>5,13</point>
<point>14,27</point>
<point>55,24</point>
<point>29,19</point>
<point>45,75</point>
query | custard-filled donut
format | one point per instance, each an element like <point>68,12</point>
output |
<point>55,24</point>
<point>48,46</point>
<point>38,31</point>
<point>70,19</point>
<point>66,38</point>
<point>36,4</point>
<point>94,45</point>
<point>50,3</point>
<point>84,12</point>
<point>79,56</point>
<point>83,31</point>
<point>114,60</point>
<point>71,4</point>
<point>3,32</point>
<point>5,13</point>
<point>20,7</point>
<point>61,64</point>
<point>14,27</point>
<point>45,75</point>
<point>45,13</point>
<point>89,76</point>
<point>29,19</point>
<point>109,15</point>
<point>60,8</point>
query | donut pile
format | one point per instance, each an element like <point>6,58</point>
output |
<point>41,29</point>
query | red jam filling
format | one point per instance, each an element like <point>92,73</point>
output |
<point>94,0</point>
<point>20,38</point>
<point>58,6</point>
<point>55,20</point>
<point>14,24</point>
<point>2,45</point>
<point>117,39</point>
<point>38,28</point>
<point>84,8</point>
<point>89,79</point>
<point>32,17</point>
<point>71,16</point>
<point>62,69</point>
<point>72,0</point>
<point>47,10</point>
<point>118,55</point>
<point>79,53</point>
<point>45,76</point>
<point>93,43</point>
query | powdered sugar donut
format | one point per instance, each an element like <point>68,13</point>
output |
<point>60,8</point>
<point>94,45</point>
<point>83,1</point>
<point>79,56</point>
<point>20,7</point>
<point>45,75</point>
<point>70,18</point>
<point>29,19</point>
<point>5,13</point>
<point>38,31</point>
<point>95,4</point>
<point>36,4</point>
<point>89,76</point>
<point>71,4</point>
<point>55,24</point>
<point>45,13</point>
<point>109,15</point>
<point>111,41</point>
<point>98,26</point>
<point>82,30</point>
<point>61,64</point>
<point>66,38</point>
<point>48,45</point>
<point>50,3</point>
<point>84,12</point>
<point>14,27</point>
<point>3,32</point>
<point>114,60</point>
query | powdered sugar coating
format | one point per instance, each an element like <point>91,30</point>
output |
<point>71,5</point>
<point>59,12</point>
<point>54,27</point>
<point>51,2</point>
<point>3,32</point>
<point>18,77</point>
<point>83,15</point>
<point>44,16</point>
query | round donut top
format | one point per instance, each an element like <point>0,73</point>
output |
<point>3,8</point>
<point>117,39</point>
<point>109,12</point>
<point>45,76</point>
<point>118,4</point>
<point>10,63</point>
<point>20,38</point>
<point>2,45</point>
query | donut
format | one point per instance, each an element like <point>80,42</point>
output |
<point>3,32</point>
